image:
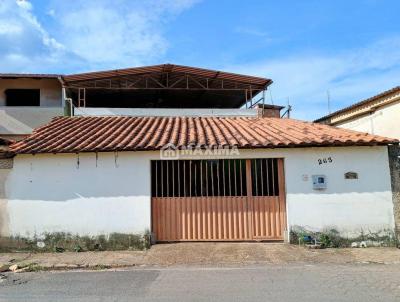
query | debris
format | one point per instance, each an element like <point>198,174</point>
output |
<point>13,267</point>
<point>354,244</point>
<point>21,270</point>
<point>40,244</point>
<point>363,244</point>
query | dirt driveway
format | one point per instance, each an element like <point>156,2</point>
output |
<point>212,254</point>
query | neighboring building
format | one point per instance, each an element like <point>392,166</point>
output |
<point>188,154</point>
<point>28,101</point>
<point>376,115</point>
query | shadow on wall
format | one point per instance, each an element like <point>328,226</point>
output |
<point>21,120</point>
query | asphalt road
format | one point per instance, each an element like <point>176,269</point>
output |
<point>365,283</point>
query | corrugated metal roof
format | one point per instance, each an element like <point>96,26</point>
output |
<point>102,134</point>
<point>168,68</point>
<point>30,75</point>
<point>146,69</point>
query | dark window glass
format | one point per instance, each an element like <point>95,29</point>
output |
<point>22,97</point>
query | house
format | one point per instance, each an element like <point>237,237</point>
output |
<point>376,115</point>
<point>28,101</point>
<point>191,154</point>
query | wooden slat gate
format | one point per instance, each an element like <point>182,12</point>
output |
<point>222,200</point>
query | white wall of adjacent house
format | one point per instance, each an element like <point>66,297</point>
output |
<point>84,195</point>
<point>23,119</point>
<point>383,121</point>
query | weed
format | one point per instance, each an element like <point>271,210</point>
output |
<point>333,238</point>
<point>101,267</point>
<point>61,241</point>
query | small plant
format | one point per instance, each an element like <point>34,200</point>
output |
<point>332,237</point>
<point>34,267</point>
<point>78,249</point>
<point>325,240</point>
<point>101,267</point>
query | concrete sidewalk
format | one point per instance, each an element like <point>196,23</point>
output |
<point>220,254</point>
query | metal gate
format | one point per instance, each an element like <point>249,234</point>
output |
<point>218,200</point>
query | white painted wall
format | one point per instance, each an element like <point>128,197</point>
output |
<point>48,193</point>
<point>89,111</point>
<point>384,121</point>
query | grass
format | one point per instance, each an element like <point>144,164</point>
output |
<point>61,241</point>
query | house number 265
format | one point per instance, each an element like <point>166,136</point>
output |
<point>325,160</point>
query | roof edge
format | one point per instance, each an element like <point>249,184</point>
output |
<point>163,67</point>
<point>358,104</point>
<point>294,146</point>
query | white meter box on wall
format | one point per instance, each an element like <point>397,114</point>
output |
<point>319,182</point>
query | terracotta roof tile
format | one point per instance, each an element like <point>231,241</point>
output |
<point>90,134</point>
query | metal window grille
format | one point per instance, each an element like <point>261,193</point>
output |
<point>221,177</point>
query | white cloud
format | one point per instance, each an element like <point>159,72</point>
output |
<point>24,44</point>
<point>350,76</point>
<point>125,33</point>
<point>87,34</point>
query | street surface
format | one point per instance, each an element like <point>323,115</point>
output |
<point>289,282</point>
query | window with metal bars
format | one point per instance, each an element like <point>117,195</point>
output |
<point>264,175</point>
<point>193,178</point>
<point>221,177</point>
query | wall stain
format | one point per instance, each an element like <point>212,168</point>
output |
<point>4,218</point>
<point>394,164</point>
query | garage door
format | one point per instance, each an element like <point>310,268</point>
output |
<point>218,200</point>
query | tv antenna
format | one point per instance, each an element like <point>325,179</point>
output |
<point>329,101</point>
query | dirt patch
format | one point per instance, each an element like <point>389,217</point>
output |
<point>214,254</point>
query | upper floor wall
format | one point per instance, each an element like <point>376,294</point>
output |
<point>384,121</point>
<point>50,91</point>
<point>27,103</point>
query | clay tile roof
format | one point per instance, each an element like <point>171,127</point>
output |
<point>102,134</point>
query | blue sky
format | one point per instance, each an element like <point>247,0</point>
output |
<point>349,48</point>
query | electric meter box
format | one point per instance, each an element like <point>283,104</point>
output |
<point>319,182</point>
